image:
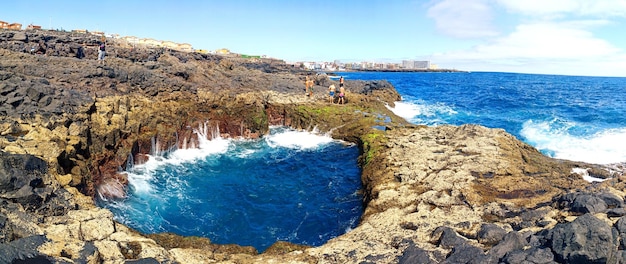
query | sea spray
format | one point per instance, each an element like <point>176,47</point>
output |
<point>569,117</point>
<point>291,185</point>
<point>602,147</point>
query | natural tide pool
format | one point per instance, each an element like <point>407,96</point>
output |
<point>291,186</point>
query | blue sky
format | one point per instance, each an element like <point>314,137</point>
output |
<point>572,37</point>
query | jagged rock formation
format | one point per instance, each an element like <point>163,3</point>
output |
<point>448,194</point>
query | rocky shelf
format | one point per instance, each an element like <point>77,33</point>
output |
<point>447,194</point>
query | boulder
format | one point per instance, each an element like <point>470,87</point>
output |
<point>587,239</point>
<point>468,254</point>
<point>20,36</point>
<point>582,203</point>
<point>511,242</point>
<point>490,234</point>
<point>23,250</point>
<point>532,255</point>
<point>413,254</point>
<point>620,225</point>
<point>22,179</point>
<point>447,238</point>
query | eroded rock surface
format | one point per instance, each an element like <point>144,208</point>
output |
<point>448,194</point>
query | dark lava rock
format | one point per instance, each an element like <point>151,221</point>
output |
<point>448,238</point>
<point>468,254</point>
<point>413,254</point>
<point>532,255</point>
<point>620,225</point>
<point>611,200</point>
<point>5,230</point>
<point>586,203</point>
<point>616,212</point>
<point>511,242</point>
<point>621,257</point>
<point>490,234</point>
<point>584,240</point>
<point>23,250</point>
<point>88,252</point>
<point>22,179</point>
<point>583,203</point>
<point>143,261</point>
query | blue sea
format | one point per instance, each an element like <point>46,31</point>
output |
<point>304,187</point>
<point>297,186</point>
<point>566,117</point>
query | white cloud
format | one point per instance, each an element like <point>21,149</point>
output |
<point>563,48</point>
<point>616,8</point>
<point>463,19</point>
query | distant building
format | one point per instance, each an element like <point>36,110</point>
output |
<point>150,42</point>
<point>81,31</point>
<point>31,26</point>
<point>169,44</point>
<point>411,64</point>
<point>15,26</point>
<point>421,65</point>
<point>4,25</point>
<point>222,51</point>
<point>185,47</point>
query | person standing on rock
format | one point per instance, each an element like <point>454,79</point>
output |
<point>101,53</point>
<point>340,82</point>
<point>342,93</point>
<point>308,84</point>
<point>331,93</point>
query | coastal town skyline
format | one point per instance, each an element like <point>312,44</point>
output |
<point>571,37</point>
<point>335,65</point>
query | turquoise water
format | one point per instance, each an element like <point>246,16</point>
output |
<point>292,186</point>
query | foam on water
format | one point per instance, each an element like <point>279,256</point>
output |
<point>421,112</point>
<point>292,185</point>
<point>585,174</point>
<point>293,139</point>
<point>602,147</point>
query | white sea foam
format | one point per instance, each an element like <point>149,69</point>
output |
<point>411,110</point>
<point>585,174</point>
<point>293,139</point>
<point>139,176</point>
<point>605,147</point>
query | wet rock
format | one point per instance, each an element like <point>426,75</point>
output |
<point>585,240</point>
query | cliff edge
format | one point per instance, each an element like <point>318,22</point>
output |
<point>450,194</point>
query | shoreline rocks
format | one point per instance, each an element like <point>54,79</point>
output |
<point>451,194</point>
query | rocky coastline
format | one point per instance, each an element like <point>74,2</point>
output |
<point>450,194</point>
